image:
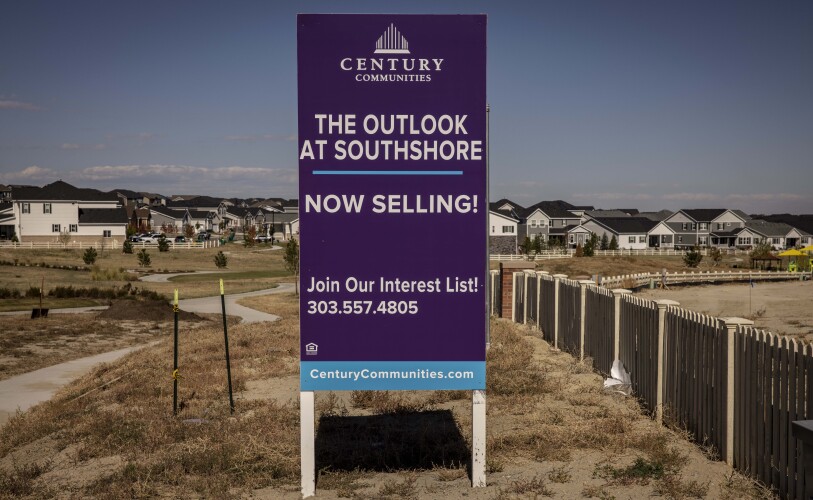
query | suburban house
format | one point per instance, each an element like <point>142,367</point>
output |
<point>201,220</point>
<point>7,220</point>
<point>630,232</point>
<point>62,212</point>
<point>5,193</point>
<point>503,224</point>
<point>577,235</point>
<point>705,227</point>
<point>779,234</point>
<point>167,220</point>
<point>549,219</point>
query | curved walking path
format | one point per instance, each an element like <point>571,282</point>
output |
<point>213,305</point>
<point>25,390</point>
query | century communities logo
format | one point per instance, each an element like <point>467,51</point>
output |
<point>391,65</point>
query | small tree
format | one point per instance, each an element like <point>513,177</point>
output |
<point>250,237</point>
<point>127,247</point>
<point>163,245</point>
<point>537,244</point>
<point>292,261</point>
<point>526,247</point>
<point>579,250</point>
<point>144,259</point>
<point>221,261</point>
<point>716,256</point>
<point>164,228</point>
<point>761,250</point>
<point>64,237</point>
<point>89,257</point>
<point>605,242</point>
<point>693,257</point>
<point>189,231</point>
<point>613,245</point>
<point>131,230</point>
<point>590,246</point>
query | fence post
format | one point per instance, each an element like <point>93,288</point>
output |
<point>582,314</point>
<point>539,275</point>
<point>661,359</point>
<point>557,278</point>
<point>514,277</point>
<point>525,276</point>
<point>731,325</point>
<point>617,293</point>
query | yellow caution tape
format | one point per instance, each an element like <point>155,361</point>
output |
<point>176,297</point>
<point>175,374</point>
<point>221,288</point>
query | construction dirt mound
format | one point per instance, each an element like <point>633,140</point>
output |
<point>145,310</point>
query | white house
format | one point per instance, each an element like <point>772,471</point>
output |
<point>49,213</point>
<point>630,232</point>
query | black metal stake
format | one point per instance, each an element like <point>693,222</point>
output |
<point>175,360</point>
<point>226,337</point>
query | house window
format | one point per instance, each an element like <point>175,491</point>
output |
<point>664,239</point>
<point>106,233</point>
<point>694,226</point>
<point>704,240</point>
<point>775,241</point>
<point>744,241</point>
<point>26,208</point>
<point>493,230</point>
<point>703,225</point>
<point>507,229</point>
<point>727,224</point>
<point>680,239</point>
<point>642,239</point>
<point>573,238</point>
<point>73,228</point>
<point>46,208</point>
<point>719,225</point>
<point>685,226</point>
<point>56,228</point>
<point>533,223</point>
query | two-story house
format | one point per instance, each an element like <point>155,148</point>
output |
<point>705,227</point>
<point>62,212</point>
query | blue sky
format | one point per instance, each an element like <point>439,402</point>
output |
<point>631,104</point>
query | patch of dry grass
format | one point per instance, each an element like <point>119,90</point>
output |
<point>203,451</point>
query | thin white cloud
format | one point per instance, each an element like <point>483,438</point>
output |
<point>613,196</point>
<point>171,173</point>
<point>28,174</point>
<point>25,106</point>
<point>69,146</point>
<point>691,197</point>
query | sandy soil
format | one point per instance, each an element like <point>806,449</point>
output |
<point>784,308</point>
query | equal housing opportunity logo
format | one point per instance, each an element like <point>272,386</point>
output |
<point>391,65</point>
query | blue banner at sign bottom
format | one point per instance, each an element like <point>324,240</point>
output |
<point>392,375</point>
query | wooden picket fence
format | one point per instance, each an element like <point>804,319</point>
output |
<point>735,389</point>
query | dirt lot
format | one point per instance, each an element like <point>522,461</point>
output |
<point>27,345</point>
<point>784,308</point>
<point>552,431</point>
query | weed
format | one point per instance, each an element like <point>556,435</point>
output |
<point>399,489</point>
<point>19,481</point>
<point>640,472</point>
<point>526,488</point>
<point>597,491</point>
<point>559,475</point>
<point>451,474</point>
<point>674,488</point>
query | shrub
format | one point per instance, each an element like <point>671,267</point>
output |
<point>163,245</point>
<point>9,293</point>
<point>144,259</point>
<point>221,260</point>
<point>89,257</point>
<point>693,257</point>
<point>127,247</point>
<point>32,292</point>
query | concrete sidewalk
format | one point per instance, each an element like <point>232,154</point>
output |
<point>26,390</point>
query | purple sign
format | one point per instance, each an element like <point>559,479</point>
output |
<point>393,202</point>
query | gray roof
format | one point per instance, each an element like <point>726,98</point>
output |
<point>606,213</point>
<point>60,191</point>
<point>771,229</point>
<point>557,209</point>
<point>103,216</point>
<point>169,212</point>
<point>658,216</point>
<point>704,214</point>
<point>627,225</point>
